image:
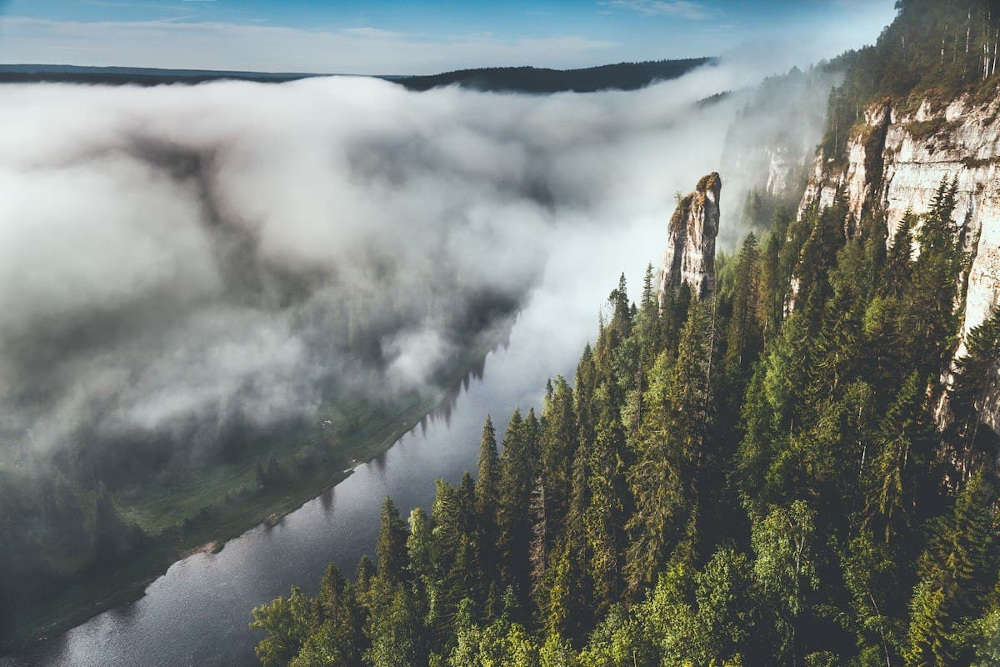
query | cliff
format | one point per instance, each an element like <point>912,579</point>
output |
<point>769,144</point>
<point>694,226</point>
<point>896,160</point>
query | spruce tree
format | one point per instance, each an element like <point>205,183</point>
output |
<point>975,376</point>
<point>487,491</point>
<point>604,517</point>
<point>518,465</point>
<point>390,549</point>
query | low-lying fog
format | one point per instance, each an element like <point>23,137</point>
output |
<point>171,257</point>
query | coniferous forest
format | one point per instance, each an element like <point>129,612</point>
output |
<point>786,471</point>
<point>722,485</point>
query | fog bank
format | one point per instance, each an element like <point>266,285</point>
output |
<point>177,260</point>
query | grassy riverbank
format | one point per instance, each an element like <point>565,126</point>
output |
<point>222,502</point>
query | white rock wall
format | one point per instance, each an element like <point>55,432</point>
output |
<point>967,146</point>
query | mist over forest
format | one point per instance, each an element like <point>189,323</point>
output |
<point>724,329</point>
<point>186,258</point>
<point>214,297</point>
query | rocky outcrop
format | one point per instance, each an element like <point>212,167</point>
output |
<point>690,255</point>
<point>896,163</point>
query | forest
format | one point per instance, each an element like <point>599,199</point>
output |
<point>132,76</point>
<point>788,471</point>
<point>722,485</point>
<point>620,76</point>
<point>933,52</point>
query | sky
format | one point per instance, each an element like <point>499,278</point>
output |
<point>409,37</point>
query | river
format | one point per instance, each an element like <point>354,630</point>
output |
<point>197,613</point>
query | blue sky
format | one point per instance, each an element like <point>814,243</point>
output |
<point>404,36</point>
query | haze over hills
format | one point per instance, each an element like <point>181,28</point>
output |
<point>141,76</point>
<point>787,454</point>
<point>618,76</point>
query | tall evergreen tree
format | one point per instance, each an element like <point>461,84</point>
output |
<point>973,442</point>
<point>390,548</point>
<point>487,493</point>
<point>604,517</point>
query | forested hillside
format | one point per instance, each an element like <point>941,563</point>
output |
<point>620,76</point>
<point>756,477</point>
<point>133,76</point>
<point>935,50</point>
<point>721,485</point>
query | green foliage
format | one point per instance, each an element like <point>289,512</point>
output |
<point>287,622</point>
<point>784,567</point>
<point>974,442</point>
<point>755,477</point>
<point>934,50</point>
<point>391,546</point>
<point>725,484</point>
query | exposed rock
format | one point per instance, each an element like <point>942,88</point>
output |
<point>784,172</point>
<point>896,164</point>
<point>770,144</point>
<point>690,255</point>
<point>862,179</point>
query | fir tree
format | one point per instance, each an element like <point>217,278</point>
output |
<point>390,548</point>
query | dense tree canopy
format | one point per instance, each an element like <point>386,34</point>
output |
<point>788,471</point>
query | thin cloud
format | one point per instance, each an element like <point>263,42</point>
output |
<point>243,46</point>
<point>686,9</point>
<point>374,33</point>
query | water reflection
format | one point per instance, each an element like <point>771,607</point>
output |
<point>198,612</point>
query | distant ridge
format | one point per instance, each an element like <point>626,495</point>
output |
<point>620,76</point>
<point>142,76</point>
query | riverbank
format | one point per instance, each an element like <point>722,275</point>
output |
<point>228,515</point>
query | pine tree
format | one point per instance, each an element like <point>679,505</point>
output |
<point>488,478</point>
<point>390,548</point>
<point>743,340</point>
<point>604,517</point>
<point>664,481</point>
<point>557,444</point>
<point>586,385</point>
<point>928,641</point>
<point>518,465</point>
<point>558,608</point>
<point>396,634</point>
<point>975,375</point>
<point>487,493</point>
<point>579,583</point>
<point>538,548</point>
<point>902,450</point>
<point>339,640</point>
<point>419,547</point>
<point>657,485</point>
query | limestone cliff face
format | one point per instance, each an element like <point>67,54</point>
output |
<point>690,255</point>
<point>896,164</point>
